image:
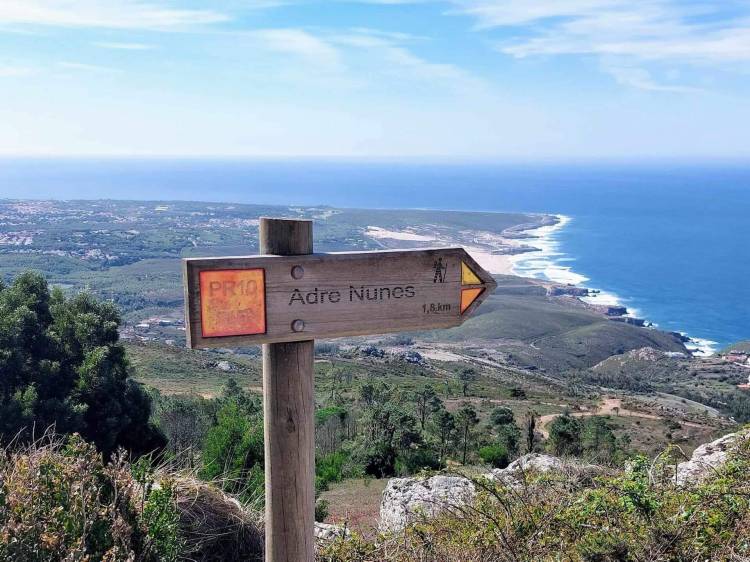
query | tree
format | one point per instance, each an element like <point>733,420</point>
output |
<point>565,435</point>
<point>598,440</point>
<point>388,429</point>
<point>337,377</point>
<point>530,429</point>
<point>444,426</point>
<point>466,375</point>
<point>466,420</point>
<point>367,394</point>
<point>427,402</point>
<point>501,416</point>
<point>184,421</point>
<point>62,365</point>
<point>508,436</point>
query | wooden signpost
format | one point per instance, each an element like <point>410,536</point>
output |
<point>289,296</point>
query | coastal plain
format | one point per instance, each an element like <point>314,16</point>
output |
<point>533,346</point>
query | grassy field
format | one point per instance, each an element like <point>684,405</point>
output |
<point>356,503</point>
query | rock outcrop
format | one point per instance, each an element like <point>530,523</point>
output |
<point>532,462</point>
<point>328,532</point>
<point>571,290</point>
<point>707,459</point>
<point>407,499</point>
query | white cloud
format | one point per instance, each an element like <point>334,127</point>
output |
<point>13,71</point>
<point>86,67</point>
<point>115,14</point>
<point>391,50</point>
<point>361,54</point>
<point>647,29</point>
<point>641,33</point>
<point>125,46</point>
<point>642,79</point>
<point>300,43</point>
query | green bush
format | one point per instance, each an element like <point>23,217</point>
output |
<point>331,468</point>
<point>495,455</point>
<point>233,451</point>
<point>321,509</point>
<point>416,460</point>
<point>565,435</point>
<point>502,416</point>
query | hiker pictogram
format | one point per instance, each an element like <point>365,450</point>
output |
<point>440,269</point>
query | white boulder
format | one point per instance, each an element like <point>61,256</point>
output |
<point>407,499</point>
<point>531,462</point>
<point>328,532</point>
<point>706,459</point>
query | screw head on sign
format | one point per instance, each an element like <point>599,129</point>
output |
<point>298,272</point>
<point>298,325</point>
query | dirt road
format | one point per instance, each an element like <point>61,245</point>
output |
<point>610,407</point>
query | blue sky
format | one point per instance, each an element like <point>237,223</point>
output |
<point>459,79</point>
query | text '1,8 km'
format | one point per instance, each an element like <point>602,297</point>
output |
<point>235,301</point>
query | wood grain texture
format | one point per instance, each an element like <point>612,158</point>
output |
<point>286,237</point>
<point>289,423</point>
<point>289,413</point>
<point>353,293</point>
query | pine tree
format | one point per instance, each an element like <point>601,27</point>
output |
<point>62,365</point>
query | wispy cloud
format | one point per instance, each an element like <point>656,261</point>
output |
<point>70,65</point>
<point>360,54</point>
<point>13,70</point>
<point>393,49</point>
<point>302,44</point>
<point>641,79</point>
<point>114,14</point>
<point>641,33</point>
<point>647,29</point>
<point>125,46</point>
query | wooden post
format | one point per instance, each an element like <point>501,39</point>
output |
<point>289,410</point>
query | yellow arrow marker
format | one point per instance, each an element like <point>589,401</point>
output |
<point>468,296</point>
<point>468,277</point>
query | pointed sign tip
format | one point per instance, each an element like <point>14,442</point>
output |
<point>468,277</point>
<point>468,296</point>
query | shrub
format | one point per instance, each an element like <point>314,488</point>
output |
<point>495,455</point>
<point>321,509</point>
<point>379,460</point>
<point>572,513</point>
<point>416,460</point>
<point>233,451</point>
<point>502,416</point>
<point>565,435</point>
<point>59,501</point>
<point>333,467</point>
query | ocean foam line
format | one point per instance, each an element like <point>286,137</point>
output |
<point>547,264</point>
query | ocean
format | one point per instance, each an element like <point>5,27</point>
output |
<point>671,241</point>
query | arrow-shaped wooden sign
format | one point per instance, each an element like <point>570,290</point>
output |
<point>239,301</point>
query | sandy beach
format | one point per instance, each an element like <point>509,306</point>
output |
<point>498,253</point>
<point>527,252</point>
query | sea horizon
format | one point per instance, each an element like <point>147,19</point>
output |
<point>664,240</point>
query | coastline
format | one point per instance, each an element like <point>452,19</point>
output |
<point>549,264</point>
<point>533,251</point>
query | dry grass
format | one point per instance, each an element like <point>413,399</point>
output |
<point>215,526</point>
<point>60,501</point>
<point>356,504</point>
